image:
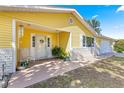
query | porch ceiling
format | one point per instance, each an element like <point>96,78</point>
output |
<point>41,27</point>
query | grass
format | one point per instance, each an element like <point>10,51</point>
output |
<point>105,73</point>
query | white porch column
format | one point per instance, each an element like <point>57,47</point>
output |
<point>58,38</point>
<point>70,40</point>
<point>14,44</point>
<point>96,50</point>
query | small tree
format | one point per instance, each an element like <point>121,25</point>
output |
<point>95,24</point>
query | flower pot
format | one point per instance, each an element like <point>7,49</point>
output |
<point>21,68</point>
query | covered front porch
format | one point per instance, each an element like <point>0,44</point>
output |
<point>35,42</point>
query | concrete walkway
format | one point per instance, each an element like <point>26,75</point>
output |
<point>42,71</point>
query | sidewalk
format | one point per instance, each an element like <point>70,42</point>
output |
<point>43,71</point>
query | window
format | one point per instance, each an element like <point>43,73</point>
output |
<point>84,39</point>
<point>33,41</point>
<point>90,41</point>
<point>87,41</point>
<point>70,20</point>
<point>48,42</point>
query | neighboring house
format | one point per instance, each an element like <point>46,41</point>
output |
<point>34,30</point>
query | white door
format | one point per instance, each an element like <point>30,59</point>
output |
<point>40,47</point>
<point>105,47</point>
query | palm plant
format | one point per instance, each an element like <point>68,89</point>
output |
<point>95,24</point>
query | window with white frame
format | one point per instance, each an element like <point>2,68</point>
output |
<point>90,41</point>
<point>87,41</point>
<point>33,41</point>
<point>48,42</point>
<point>84,41</point>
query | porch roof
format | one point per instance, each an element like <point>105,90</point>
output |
<point>51,9</point>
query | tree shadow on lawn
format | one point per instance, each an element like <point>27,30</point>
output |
<point>102,74</point>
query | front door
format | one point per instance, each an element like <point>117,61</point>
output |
<point>40,47</point>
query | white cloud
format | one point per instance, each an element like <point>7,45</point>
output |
<point>121,8</point>
<point>95,16</point>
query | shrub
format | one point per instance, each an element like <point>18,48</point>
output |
<point>59,52</point>
<point>119,46</point>
<point>24,63</point>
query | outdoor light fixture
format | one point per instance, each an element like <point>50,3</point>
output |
<point>21,31</point>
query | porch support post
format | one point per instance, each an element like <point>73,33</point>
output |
<point>14,44</point>
<point>95,46</point>
<point>70,40</point>
<point>58,36</point>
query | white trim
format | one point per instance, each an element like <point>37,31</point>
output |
<point>85,41</point>
<point>14,44</point>
<point>95,43</point>
<point>81,42</point>
<point>70,40</point>
<point>81,19</point>
<point>81,45</point>
<point>58,36</point>
<point>35,8</point>
<point>96,51</point>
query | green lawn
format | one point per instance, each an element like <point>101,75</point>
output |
<point>105,73</point>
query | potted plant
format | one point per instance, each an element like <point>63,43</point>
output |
<point>23,64</point>
<point>67,57</point>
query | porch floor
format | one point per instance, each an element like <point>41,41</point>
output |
<point>42,70</point>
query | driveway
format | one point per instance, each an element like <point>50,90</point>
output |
<point>43,70</point>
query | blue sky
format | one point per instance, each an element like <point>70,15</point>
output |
<point>111,17</point>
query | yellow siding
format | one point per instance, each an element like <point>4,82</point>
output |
<point>5,32</point>
<point>46,19</point>
<point>25,40</point>
<point>53,20</point>
<point>64,40</point>
<point>76,32</point>
<point>98,40</point>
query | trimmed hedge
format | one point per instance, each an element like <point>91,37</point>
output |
<point>59,52</point>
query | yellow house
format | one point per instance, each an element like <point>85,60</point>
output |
<point>33,31</point>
